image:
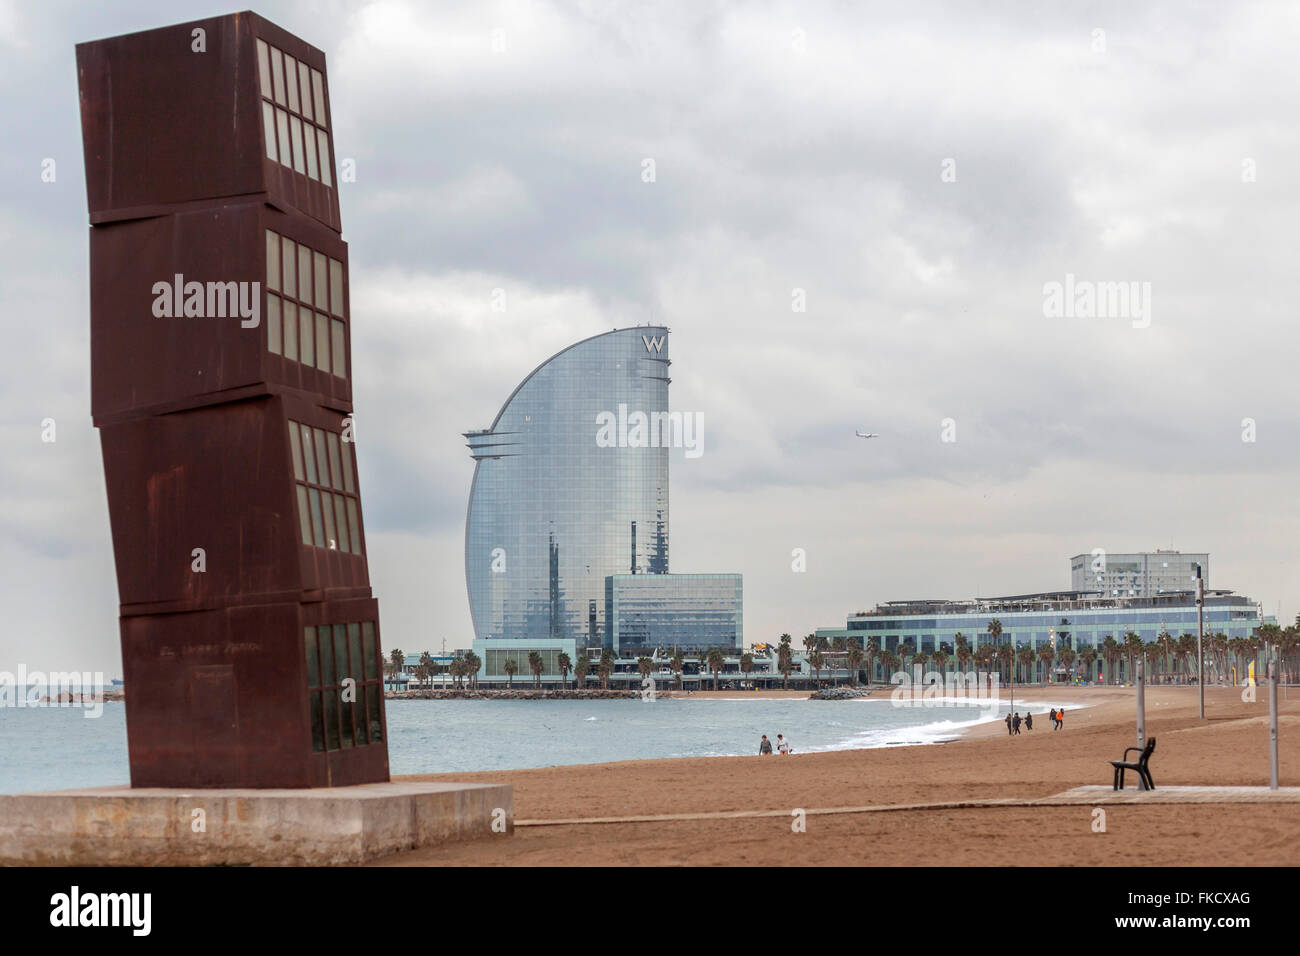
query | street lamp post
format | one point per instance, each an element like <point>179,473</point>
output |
<point>1200,637</point>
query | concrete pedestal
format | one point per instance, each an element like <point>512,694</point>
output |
<point>121,826</point>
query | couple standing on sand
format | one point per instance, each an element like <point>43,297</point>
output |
<point>782,745</point>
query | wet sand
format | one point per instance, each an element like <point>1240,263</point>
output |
<point>1228,749</point>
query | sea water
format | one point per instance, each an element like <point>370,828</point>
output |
<point>52,748</point>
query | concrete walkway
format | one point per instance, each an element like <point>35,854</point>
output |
<point>1079,796</point>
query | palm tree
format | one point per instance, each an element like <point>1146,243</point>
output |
<point>605,667</point>
<point>1066,656</point>
<point>397,659</point>
<point>816,660</point>
<point>920,659</point>
<point>535,664</point>
<point>644,666</point>
<point>421,672</point>
<point>1089,657</point>
<point>853,657</point>
<point>1154,655</point>
<point>511,666</point>
<point>1287,645</point>
<point>565,663</point>
<point>1025,656</point>
<point>1165,640</point>
<point>1006,655</point>
<point>871,651</point>
<point>581,669</point>
<point>473,663</point>
<point>940,659</point>
<point>1187,651</point>
<point>961,649</point>
<point>890,662</point>
<point>995,634</point>
<point>746,664</point>
<point>430,666</point>
<point>1132,647</point>
<point>905,650</point>
<point>809,644</point>
<point>1109,648</point>
<point>676,663</point>
<point>785,660</point>
<point>1241,650</point>
<point>1046,654</point>
<point>716,662</point>
<point>1219,649</point>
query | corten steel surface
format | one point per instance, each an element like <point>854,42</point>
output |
<point>163,126</point>
<point>197,416</point>
<point>140,363</point>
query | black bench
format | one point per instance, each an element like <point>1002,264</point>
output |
<point>1144,774</point>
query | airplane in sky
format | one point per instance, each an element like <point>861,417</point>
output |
<point>861,434</point>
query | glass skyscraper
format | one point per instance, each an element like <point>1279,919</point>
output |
<point>553,511</point>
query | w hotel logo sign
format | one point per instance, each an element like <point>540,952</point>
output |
<point>655,343</point>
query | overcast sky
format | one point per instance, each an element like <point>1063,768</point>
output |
<point>797,146</point>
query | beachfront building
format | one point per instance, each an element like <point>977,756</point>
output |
<point>1141,574</point>
<point>1079,620</point>
<point>687,612</point>
<point>570,488</point>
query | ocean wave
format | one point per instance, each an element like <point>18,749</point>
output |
<point>935,732</point>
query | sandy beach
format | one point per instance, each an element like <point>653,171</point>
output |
<point>1230,748</point>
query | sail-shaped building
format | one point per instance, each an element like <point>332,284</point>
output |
<point>570,498</point>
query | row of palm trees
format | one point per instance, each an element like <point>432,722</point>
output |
<point>466,667</point>
<point>1167,657</point>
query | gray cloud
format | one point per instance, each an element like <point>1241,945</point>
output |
<point>776,169</point>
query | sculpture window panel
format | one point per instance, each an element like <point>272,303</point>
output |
<point>328,508</point>
<point>293,113</point>
<point>343,685</point>
<point>304,294</point>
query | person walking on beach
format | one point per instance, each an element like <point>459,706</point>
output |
<point>782,745</point>
<point>1008,724</point>
<point>1029,721</point>
<point>1052,717</point>
<point>1015,723</point>
<point>1060,718</point>
<point>765,747</point>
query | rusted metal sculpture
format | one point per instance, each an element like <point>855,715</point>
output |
<point>221,386</point>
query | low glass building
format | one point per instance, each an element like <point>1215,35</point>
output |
<point>495,653</point>
<point>689,612</point>
<point>1079,619</point>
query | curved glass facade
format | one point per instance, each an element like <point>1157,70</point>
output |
<point>552,510</point>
